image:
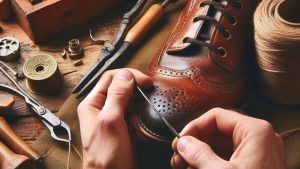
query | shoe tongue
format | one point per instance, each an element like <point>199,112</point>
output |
<point>186,27</point>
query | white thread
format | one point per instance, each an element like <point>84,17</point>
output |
<point>69,155</point>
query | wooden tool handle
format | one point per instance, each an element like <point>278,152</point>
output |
<point>10,160</point>
<point>15,142</point>
<point>6,103</point>
<point>149,19</point>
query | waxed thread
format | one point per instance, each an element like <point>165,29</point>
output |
<point>69,155</point>
<point>288,133</point>
<point>70,147</point>
<point>277,42</point>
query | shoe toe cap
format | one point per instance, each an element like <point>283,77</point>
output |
<point>176,105</point>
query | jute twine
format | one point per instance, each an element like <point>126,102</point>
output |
<point>277,40</point>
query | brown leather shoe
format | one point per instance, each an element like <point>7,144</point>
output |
<point>201,66</point>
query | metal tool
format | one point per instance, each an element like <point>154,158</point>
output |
<point>109,49</point>
<point>52,122</point>
<point>96,41</point>
<point>74,49</point>
<point>134,35</point>
<point>158,113</point>
<point>16,74</point>
<point>9,48</point>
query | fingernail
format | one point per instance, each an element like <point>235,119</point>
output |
<point>124,75</point>
<point>182,143</point>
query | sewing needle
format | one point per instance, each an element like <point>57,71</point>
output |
<point>158,113</point>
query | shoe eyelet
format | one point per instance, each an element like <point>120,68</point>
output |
<point>238,5</point>
<point>222,52</point>
<point>233,21</point>
<point>195,19</point>
<point>185,39</point>
<point>227,34</point>
<point>201,5</point>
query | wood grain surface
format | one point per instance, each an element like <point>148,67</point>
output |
<point>21,119</point>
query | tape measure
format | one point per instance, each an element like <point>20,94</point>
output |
<point>42,74</point>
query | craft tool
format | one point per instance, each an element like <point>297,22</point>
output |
<point>6,103</point>
<point>11,139</point>
<point>9,49</point>
<point>11,160</point>
<point>158,113</point>
<point>110,48</point>
<point>134,35</point>
<point>52,122</point>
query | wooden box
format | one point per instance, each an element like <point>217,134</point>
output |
<point>48,17</point>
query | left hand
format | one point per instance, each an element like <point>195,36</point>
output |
<point>104,132</point>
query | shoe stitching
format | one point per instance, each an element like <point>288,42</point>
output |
<point>196,77</point>
<point>143,125</point>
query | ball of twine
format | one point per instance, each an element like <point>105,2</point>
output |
<point>277,41</point>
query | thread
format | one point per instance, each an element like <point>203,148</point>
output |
<point>277,41</point>
<point>42,74</point>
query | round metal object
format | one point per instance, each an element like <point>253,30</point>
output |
<point>74,50</point>
<point>42,74</point>
<point>9,48</point>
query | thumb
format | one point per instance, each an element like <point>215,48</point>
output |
<point>119,93</point>
<point>198,154</point>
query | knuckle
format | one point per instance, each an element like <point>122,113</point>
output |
<point>216,110</point>
<point>125,70</point>
<point>196,154</point>
<point>93,163</point>
<point>81,108</point>
<point>108,123</point>
<point>264,126</point>
<point>107,73</point>
<point>118,89</point>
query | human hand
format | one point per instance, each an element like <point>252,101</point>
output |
<point>252,142</point>
<point>104,132</point>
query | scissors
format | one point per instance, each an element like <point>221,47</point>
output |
<point>52,122</point>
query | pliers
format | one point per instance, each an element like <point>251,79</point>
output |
<point>52,122</point>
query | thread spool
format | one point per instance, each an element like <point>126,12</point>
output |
<point>277,41</point>
<point>42,74</point>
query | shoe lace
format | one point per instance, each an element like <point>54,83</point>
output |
<point>207,37</point>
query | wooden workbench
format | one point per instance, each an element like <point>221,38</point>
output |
<point>21,118</point>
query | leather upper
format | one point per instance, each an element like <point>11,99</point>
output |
<point>190,79</point>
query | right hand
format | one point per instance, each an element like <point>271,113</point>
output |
<point>252,142</point>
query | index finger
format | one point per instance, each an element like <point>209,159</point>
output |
<point>97,96</point>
